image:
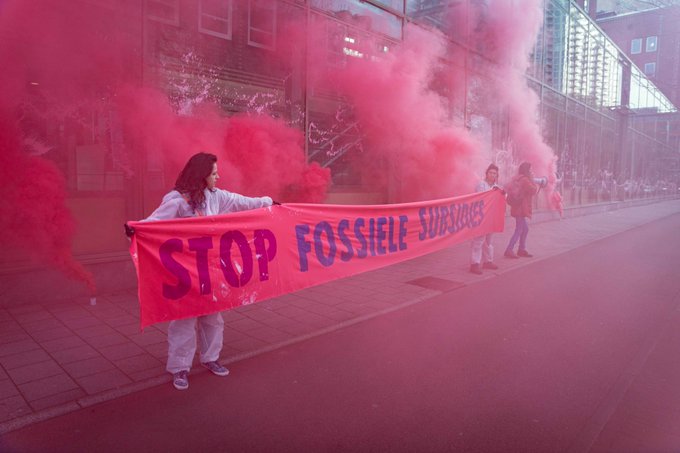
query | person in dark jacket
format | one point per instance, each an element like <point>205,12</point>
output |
<point>522,211</point>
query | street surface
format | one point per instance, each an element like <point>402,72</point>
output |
<point>578,352</point>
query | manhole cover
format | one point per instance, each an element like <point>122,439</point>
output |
<point>438,284</point>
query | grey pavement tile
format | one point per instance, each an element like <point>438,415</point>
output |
<point>41,325</point>
<point>55,400</point>
<point>24,358</point>
<point>138,363</point>
<point>83,352</point>
<point>71,313</point>
<point>121,351</point>
<point>51,334</point>
<point>106,380</point>
<point>161,327</point>
<point>13,337</point>
<point>80,323</point>
<point>129,329</point>
<point>16,347</point>
<point>148,337</point>
<point>94,331</point>
<point>292,312</point>
<point>61,344</point>
<point>143,375</point>
<point>122,320</point>
<point>247,344</point>
<point>230,334</point>
<point>23,309</point>
<point>270,335</point>
<point>232,315</point>
<point>107,340</point>
<point>158,350</point>
<point>45,387</point>
<point>88,367</point>
<point>244,325</point>
<point>295,328</point>
<point>262,313</point>
<point>26,318</point>
<point>13,407</point>
<point>7,389</point>
<point>3,374</point>
<point>35,371</point>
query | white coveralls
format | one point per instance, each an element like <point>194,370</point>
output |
<point>182,333</point>
<point>481,245</point>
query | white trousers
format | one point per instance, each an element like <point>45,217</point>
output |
<point>182,336</point>
<point>481,248</point>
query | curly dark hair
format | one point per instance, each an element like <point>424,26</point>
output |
<point>191,180</point>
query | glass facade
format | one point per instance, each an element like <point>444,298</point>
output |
<point>611,128</point>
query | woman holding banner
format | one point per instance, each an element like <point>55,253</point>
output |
<point>196,194</point>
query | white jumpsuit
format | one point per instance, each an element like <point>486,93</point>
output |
<point>182,333</point>
<point>481,245</point>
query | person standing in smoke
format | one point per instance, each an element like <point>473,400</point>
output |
<point>194,195</point>
<point>481,245</point>
<point>524,189</point>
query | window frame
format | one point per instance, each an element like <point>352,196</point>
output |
<point>652,65</point>
<point>274,27</point>
<point>655,41</point>
<point>632,46</point>
<point>171,3</point>
<point>229,21</point>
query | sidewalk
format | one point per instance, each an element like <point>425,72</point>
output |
<point>58,358</point>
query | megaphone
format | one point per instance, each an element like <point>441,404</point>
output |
<point>541,182</point>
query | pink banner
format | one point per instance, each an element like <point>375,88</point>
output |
<point>200,265</point>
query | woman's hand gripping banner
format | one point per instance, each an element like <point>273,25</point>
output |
<point>201,265</point>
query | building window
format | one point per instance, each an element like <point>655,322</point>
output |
<point>262,23</point>
<point>636,46</point>
<point>166,11</point>
<point>214,18</point>
<point>650,69</point>
<point>650,46</point>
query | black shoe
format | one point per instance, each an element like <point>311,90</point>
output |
<point>510,254</point>
<point>475,269</point>
<point>524,253</point>
<point>489,265</point>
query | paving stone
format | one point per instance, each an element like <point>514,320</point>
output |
<point>35,371</point>
<point>27,318</point>
<point>52,334</point>
<point>270,335</point>
<point>138,363</point>
<point>13,407</point>
<point>55,400</point>
<point>95,331</point>
<point>75,354</point>
<point>61,344</point>
<point>158,350</point>
<point>230,334</point>
<point>43,388</point>
<point>244,325</point>
<point>24,358</point>
<point>14,337</point>
<point>247,344</point>
<point>129,329</point>
<point>107,340</point>
<point>23,309</point>
<point>43,324</point>
<point>16,347</point>
<point>149,337</point>
<point>121,351</point>
<point>80,323</point>
<point>148,374</point>
<point>88,367</point>
<point>72,313</point>
<point>7,389</point>
<point>106,380</point>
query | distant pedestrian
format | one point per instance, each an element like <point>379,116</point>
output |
<point>195,194</point>
<point>522,189</point>
<point>482,249</point>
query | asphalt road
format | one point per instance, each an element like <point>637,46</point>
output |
<point>527,361</point>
